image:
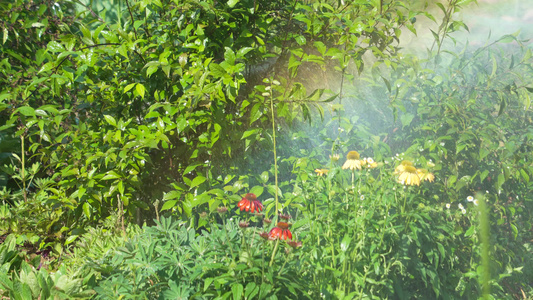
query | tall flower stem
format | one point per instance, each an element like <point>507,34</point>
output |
<point>227,237</point>
<point>274,150</point>
<point>23,169</point>
<point>274,253</point>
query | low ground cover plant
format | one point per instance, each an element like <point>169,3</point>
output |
<point>261,150</point>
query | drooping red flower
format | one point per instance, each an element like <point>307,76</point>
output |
<point>264,235</point>
<point>295,244</point>
<point>250,203</point>
<point>284,216</point>
<point>281,231</point>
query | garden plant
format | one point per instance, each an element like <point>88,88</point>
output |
<point>246,149</point>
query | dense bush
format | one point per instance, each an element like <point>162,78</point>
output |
<point>123,112</point>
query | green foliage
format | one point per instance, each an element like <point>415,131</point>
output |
<point>120,111</point>
<point>20,279</point>
<point>170,261</point>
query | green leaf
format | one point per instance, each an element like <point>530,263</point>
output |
<point>6,35</point>
<point>248,133</point>
<point>236,290</point>
<point>232,3</point>
<point>524,175</point>
<point>197,181</point>
<point>87,210</point>
<point>345,243</point>
<point>243,51</point>
<point>257,190</point>
<point>217,70</point>
<point>71,239</point>
<point>169,204</point>
<point>501,180</point>
<point>111,175</point>
<point>406,119</point>
<point>300,39</point>
<point>54,46</point>
<point>151,70</point>
<point>140,89</point>
<point>470,231</point>
<point>129,87</point>
<point>251,290</point>
<point>110,120</point>
<point>255,113</point>
<point>26,111</point>
<point>264,177</point>
<point>46,67</point>
<point>229,56</point>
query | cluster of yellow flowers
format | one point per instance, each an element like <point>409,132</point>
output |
<point>409,175</point>
<point>353,162</point>
<point>406,171</point>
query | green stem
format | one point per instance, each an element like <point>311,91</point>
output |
<point>274,150</point>
<point>282,266</point>
<point>227,238</point>
<point>23,170</point>
<point>274,253</point>
<point>485,245</point>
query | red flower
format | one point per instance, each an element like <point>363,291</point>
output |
<point>284,216</point>
<point>281,231</point>
<point>264,235</point>
<point>295,244</point>
<point>250,203</point>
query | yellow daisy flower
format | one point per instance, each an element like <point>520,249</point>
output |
<point>401,168</point>
<point>321,172</point>
<point>424,174</point>
<point>409,176</point>
<point>352,161</point>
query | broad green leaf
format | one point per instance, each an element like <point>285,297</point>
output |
<point>54,47</point>
<point>248,133</point>
<point>237,289</point>
<point>217,70</point>
<point>255,113</point>
<point>111,175</point>
<point>243,51</point>
<point>26,111</point>
<point>232,3</point>
<point>470,231</point>
<point>6,35</point>
<point>197,181</point>
<point>229,56</point>
<point>169,204</point>
<point>257,190</point>
<point>140,89</point>
<point>110,120</point>
<point>524,175</point>
<point>129,87</point>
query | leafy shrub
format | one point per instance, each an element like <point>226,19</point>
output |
<point>170,261</point>
<point>20,280</point>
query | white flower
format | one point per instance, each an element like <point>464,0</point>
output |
<point>463,211</point>
<point>461,206</point>
<point>448,205</point>
<point>470,199</point>
<point>475,202</point>
<point>369,160</point>
<point>362,197</point>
